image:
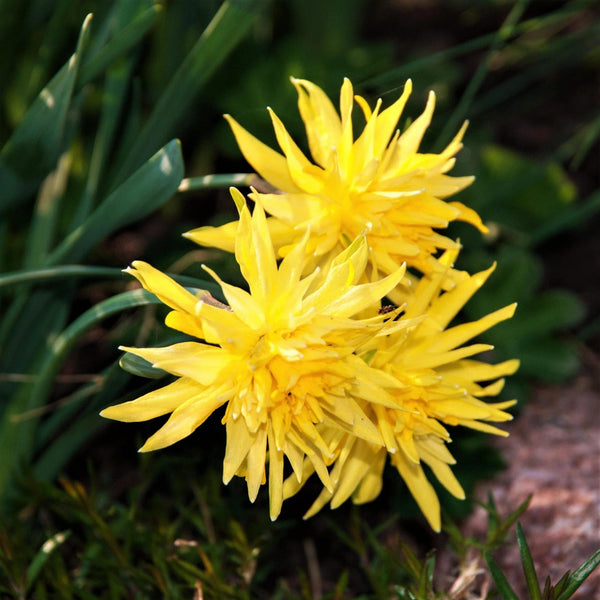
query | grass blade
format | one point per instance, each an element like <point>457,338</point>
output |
<point>580,575</point>
<point>52,274</point>
<point>226,30</point>
<point>504,33</point>
<point>535,593</point>
<point>119,45</point>
<point>502,586</point>
<point>34,147</point>
<point>575,216</point>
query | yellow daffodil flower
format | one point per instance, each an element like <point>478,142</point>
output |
<point>378,184</point>
<point>441,385</point>
<point>281,358</point>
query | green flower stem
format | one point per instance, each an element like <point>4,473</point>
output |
<point>207,182</point>
<point>52,274</point>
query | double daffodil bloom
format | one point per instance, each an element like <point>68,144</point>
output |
<point>280,357</point>
<point>441,385</point>
<point>378,183</point>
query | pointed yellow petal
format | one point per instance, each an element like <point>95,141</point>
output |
<point>372,483</point>
<point>275,475</point>
<point>388,120</point>
<point>410,140</point>
<point>243,304</point>
<point>256,462</point>
<point>156,403</point>
<point>304,174</point>
<point>185,420</point>
<point>323,126</point>
<point>268,163</point>
<point>421,490</point>
<point>355,469</point>
<point>416,360</point>
<point>222,237</point>
<point>239,441</point>
<point>163,287</point>
<point>456,336</point>
<point>200,362</point>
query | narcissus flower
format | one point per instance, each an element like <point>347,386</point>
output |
<point>378,183</point>
<point>280,357</point>
<point>441,385</point>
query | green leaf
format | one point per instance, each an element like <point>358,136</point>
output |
<point>228,27</point>
<point>116,85</point>
<point>502,586</point>
<point>533,585</point>
<point>42,230</point>
<point>122,41</point>
<point>559,588</point>
<point>206,182</point>
<point>36,144</point>
<point>136,365</point>
<point>49,546</point>
<point>17,439</point>
<point>147,189</point>
<point>580,575</point>
<point>53,274</point>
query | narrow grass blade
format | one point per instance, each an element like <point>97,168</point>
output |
<point>408,69</point>
<point>124,40</point>
<point>535,593</point>
<point>49,546</point>
<point>580,575</point>
<point>231,23</point>
<point>576,215</point>
<point>52,274</point>
<point>505,32</point>
<point>74,435</point>
<point>115,90</point>
<point>560,53</point>
<point>34,147</point>
<point>502,586</point>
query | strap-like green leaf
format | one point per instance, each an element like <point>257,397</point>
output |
<point>147,189</point>
<point>35,145</point>
<point>43,554</point>
<point>17,437</point>
<point>136,365</point>
<point>119,44</point>
<point>52,274</point>
<point>228,27</point>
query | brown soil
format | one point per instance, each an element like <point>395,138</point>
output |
<point>553,454</point>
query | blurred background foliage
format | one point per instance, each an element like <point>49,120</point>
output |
<point>90,111</point>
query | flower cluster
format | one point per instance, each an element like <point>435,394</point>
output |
<point>341,352</point>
